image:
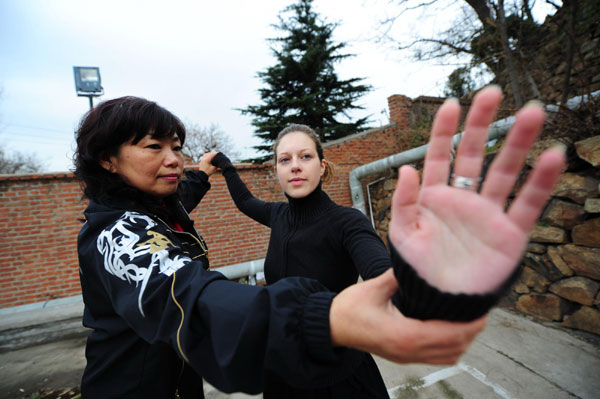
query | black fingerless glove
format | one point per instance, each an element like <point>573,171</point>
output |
<point>222,162</point>
<point>419,300</point>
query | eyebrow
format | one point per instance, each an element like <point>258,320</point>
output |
<point>300,150</point>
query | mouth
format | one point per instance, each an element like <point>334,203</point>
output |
<point>170,177</point>
<point>297,181</point>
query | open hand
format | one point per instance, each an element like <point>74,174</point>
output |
<point>457,239</point>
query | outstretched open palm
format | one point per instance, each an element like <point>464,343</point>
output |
<point>457,239</point>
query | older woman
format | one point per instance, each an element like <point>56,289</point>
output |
<point>161,321</point>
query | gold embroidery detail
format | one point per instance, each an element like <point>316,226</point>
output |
<point>157,242</point>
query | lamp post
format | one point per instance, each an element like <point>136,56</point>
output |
<point>88,82</point>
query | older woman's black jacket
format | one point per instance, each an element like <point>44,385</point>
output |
<point>161,320</point>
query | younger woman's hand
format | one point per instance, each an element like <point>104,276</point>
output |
<point>205,163</point>
<point>458,239</point>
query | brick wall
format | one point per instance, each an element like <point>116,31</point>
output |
<point>38,225</point>
<point>40,215</point>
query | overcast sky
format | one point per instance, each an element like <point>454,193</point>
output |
<point>199,59</point>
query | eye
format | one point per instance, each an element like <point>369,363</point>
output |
<point>153,146</point>
<point>306,156</point>
<point>177,148</point>
<point>283,160</point>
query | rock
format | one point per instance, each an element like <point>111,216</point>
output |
<point>583,261</point>
<point>563,214</point>
<point>543,306</point>
<point>520,287</point>
<point>536,248</point>
<point>534,280</point>
<point>548,234</point>
<point>589,150</point>
<point>390,184</point>
<point>587,234</point>
<point>558,262</point>
<point>586,319</point>
<point>577,289</point>
<point>542,265</point>
<point>597,300</point>
<point>576,187</point>
<point>592,205</point>
<point>542,145</point>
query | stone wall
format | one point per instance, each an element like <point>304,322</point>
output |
<point>560,272</point>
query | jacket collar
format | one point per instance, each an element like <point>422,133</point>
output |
<point>309,207</point>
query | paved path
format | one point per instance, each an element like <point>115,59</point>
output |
<point>513,358</point>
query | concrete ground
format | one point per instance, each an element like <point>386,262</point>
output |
<point>513,358</point>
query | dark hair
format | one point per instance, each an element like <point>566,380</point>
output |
<point>101,133</point>
<point>328,173</point>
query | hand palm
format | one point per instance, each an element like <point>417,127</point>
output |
<point>473,238</point>
<point>458,240</point>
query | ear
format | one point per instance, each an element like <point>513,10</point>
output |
<point>323,166</point>
<point>107,164</point>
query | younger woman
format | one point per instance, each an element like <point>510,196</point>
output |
<point>312,236</point>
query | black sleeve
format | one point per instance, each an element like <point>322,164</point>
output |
<point>367,250</point>
<point>417,299</point>
<point>193,188</point>
<point>251,206</point>
<point>228,332</point>
<point>284,326</point>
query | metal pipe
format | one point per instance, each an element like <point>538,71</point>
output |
<point>245,269</point>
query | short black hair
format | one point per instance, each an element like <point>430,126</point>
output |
<point>106,127</point>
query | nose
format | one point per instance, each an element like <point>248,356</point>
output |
<point>171,159</point>
<point>295,165</point>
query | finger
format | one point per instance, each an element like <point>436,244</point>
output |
<point>437,341</point>
<point>449,335</point>
<point>404,201</point>
<point>504,170</point>
<point>469,155</point>
<point>528,205</point>
<point>437,159</point>
<point>407,188</point>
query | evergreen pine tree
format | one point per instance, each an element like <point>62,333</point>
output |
<point>303,86</point>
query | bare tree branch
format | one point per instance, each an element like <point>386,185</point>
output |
<point>18,162</point>
<point>200,139</point>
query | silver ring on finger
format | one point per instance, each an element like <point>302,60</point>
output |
<point>466,183</point>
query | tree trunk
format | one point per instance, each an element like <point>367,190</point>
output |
<point>512,72</point>
<point>482,10</point>
<point>570,53</point>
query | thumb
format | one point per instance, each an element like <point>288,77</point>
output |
<point>385,285</point>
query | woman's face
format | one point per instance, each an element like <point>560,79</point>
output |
<point>154,166</point>
<point>298,166</point>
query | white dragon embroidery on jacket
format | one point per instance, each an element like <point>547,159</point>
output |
<point>121,247</point>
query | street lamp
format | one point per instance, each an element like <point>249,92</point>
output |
<point>88,82</point>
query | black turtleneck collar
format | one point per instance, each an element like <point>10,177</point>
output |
<point>306,208</point>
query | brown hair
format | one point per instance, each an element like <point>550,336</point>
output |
<point>328,173</point>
